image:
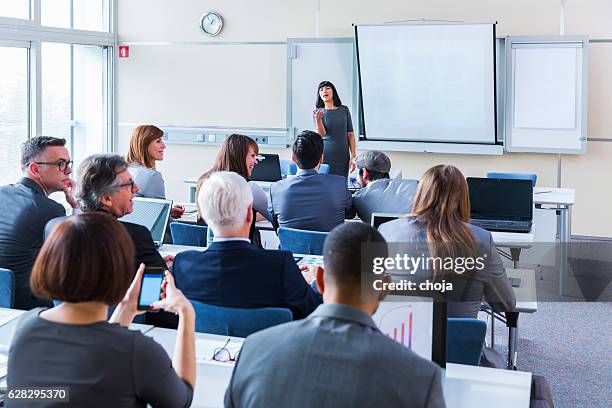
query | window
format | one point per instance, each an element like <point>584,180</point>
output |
<point>15,9</point>
<point>13,110</point>
<point>55,77</point>
<point>91,15</point>
<point>73,95</point>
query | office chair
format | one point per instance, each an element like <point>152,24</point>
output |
<point>288,168</point>
<point>7,288</point>
<point>515,176</point>
<point>237,322</point>
<point>188,234</point>
<point>324,169</point>
<point>465,339</point>
<point>301,241</point>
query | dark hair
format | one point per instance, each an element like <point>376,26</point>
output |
<point>34,147</point>
<point>142,137</point>
<point>336,98</point>
<point>307,149</point>
<point>97,174</point>
<point>342,252</point>
<point>231,157</point>
<point>88,257</point>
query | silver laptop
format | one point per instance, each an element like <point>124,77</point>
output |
<point>152,213</point>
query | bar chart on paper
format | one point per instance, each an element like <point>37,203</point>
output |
<point>408,323</point>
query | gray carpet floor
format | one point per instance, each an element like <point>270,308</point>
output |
<point>570,344</point>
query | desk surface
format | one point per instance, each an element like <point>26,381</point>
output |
<point>553,195</point>
<point>464,386</point>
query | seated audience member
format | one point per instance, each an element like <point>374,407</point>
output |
<point>440,220</point>
<point>310,200</point>
<point>146,148</point>
<point>337,356</point>
<point>26,209</point>
<point>380,194</point>
<point>232,272</point>
<point>105,184</point>
<point>87,262</point>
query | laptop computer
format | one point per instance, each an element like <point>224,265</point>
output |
<point>267,168</point>
<point>151,213</point>
<point>418,323</point>
<point>380,218</point>
<point>501,204</point>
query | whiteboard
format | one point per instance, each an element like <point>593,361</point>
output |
<point>311,61</point>
<point>546,82</point>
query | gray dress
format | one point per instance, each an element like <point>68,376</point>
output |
<point>337,124</point>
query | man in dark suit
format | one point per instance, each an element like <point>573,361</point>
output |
<point>105,184</point>
<point>26,208</point>
<point>310,200</point>
<point>232,272</point>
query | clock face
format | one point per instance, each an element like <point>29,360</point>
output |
<point>211,23</point>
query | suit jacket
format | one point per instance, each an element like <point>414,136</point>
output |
<point>336,357</point>
<point>385,196</point>
<point>236,274</point>
<point>490,282</point>
<point>145,250</point>
<point>310,201</point>
<point>25,210</point>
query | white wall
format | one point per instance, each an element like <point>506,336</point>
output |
<point>237,85</point>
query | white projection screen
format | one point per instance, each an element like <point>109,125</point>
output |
<point>428,82</point>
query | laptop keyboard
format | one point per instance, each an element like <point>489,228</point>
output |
<point>503,225</point>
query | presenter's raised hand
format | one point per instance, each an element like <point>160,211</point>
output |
<point>318,114</point>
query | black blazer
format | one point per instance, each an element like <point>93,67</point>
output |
<point>24,211</point>
<point>236,274</point>
<point>145,250</point>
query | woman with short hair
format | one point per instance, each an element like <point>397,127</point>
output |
<point>146,148</point>
<point>87,263</point>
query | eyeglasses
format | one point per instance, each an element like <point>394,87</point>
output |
<point>62,165</point>
<point>131,184</point>
<point>223,354</point>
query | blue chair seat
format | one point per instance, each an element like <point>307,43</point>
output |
<point>465,339</point>
<point>188,234</point>
<point>301,241</point>
<point>237,322</point>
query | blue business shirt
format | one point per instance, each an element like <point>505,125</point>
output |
<point>310,201</point>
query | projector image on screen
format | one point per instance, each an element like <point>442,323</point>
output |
<point>428,82</point>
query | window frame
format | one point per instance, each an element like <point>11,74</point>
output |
<point>32,34</point>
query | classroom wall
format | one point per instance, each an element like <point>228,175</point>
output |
<point>245,85</point>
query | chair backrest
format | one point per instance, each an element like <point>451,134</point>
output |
<point>324,168</point>
<point>230,321</point>
<point>288,168</point>
<point>515,176</point>
<point>465,339</point>
<point>7,288</point>
<point>188,234</point>
<point>301,241</point>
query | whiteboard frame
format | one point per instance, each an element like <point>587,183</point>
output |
<point>581,42</point>
<point>354,107</point>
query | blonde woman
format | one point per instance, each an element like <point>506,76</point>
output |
<point>440,218</point>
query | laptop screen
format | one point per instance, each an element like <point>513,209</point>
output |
<point>380,218</point>
<point>415,322</point>
<point>500,199</point>
<point>151,213</point>
<point>267,168</point>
